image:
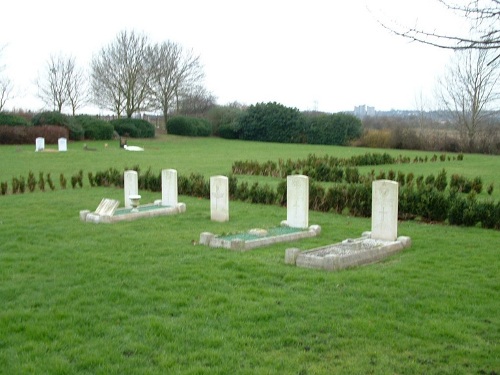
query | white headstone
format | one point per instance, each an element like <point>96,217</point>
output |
<point>297,198</point>
<point>63,144</point>
<point>40,144</point>
<point>169,187</point>
<point>385,210</point>
<point>131,186</point>
<point>219,198</point>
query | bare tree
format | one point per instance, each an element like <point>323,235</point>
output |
<point>120,75</point>
<point>173,72</point>
<point>5,86</point>
<point>484,16</point>
<point>53,83</point>
<point>77,90</point>
<point>469,90</point>
<point>196,100</point>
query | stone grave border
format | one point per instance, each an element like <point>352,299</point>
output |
<point>338,256</point>
<point>149,210</point>
<point>237,244</point>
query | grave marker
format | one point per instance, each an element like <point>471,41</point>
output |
<point>297,198</point>
<point>169,187</point>
<point>385,210</point>
<point>219,198</point>
<point>62,144</point>
<point>40,144</point>
<point>131,187</point>
<point>107,207</point>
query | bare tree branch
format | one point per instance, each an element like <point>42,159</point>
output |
<point>469,90</point>
<point>484,33</point>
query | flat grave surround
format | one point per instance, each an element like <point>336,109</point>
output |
<point>257,237</point>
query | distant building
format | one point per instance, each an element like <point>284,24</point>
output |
<point>364,110</point>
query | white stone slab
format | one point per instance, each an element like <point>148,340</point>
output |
<point>219,198</point>
<point>297,198</point>
<point>62,144</point>
<point>384,210</point>
<point>40,144</point>
<point>169,194</point>
<point>107,207</point>
<point>131,186</point>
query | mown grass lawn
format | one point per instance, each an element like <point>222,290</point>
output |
<point>142,297</point>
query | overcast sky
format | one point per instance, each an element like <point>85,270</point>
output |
<point>316,54</point>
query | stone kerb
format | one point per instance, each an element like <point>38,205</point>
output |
<point>373,246</point>
<point>219,198</point>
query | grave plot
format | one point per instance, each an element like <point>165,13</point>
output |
<point>373,246</point>
<point>108,211</point>
<point>295,227</point>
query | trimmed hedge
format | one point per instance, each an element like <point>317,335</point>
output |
<point>95,128</point>
<point>16,135</point>
<point>272,122</point>
<point>334,129</point>
<point>134,128</point>
<point>56,118</point>
<point>13,120</point>
<point>189,126</point>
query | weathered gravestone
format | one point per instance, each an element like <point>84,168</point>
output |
<point>62,144</point>
<point>384,210</point>
<point>169,193</point>
<point>40,144</point>
<point>297,198</point>
<point>107,207</point>
<point>131,187</point>
<point>219,198</point>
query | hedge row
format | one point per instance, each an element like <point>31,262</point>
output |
<point>53,125</point>
<point>416,201</point>
<point>322,167</point>
<point>13,135</point>
<point>189,126</point>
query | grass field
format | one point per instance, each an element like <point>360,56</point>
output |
<point>142,298</point>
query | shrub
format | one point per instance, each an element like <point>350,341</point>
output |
<point>31,181</point>
<point>135,128</point>
<point>441,182</point>
<point>433,204</point>
<point>94,128</point>
<point>272,122</point>
<point>333,129</point>
<point>229,131</point>
<point>28,134</point>
<point>189,126</point>
<point>488,214</point>
<point>12,120</point>
<point>224,120</point>
<point>59,119</point>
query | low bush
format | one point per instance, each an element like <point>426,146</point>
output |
<point>94,128</point>
<point>56,118</point>
<point>134,128</point>
<point>16,135</point>
<point>189,126</point>
<point>12,120</point>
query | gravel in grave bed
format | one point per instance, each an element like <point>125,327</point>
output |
<point>255,234</point>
